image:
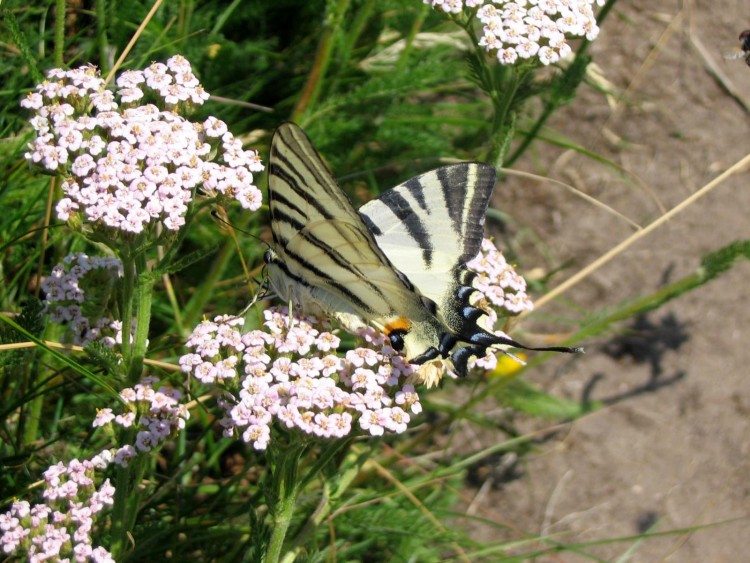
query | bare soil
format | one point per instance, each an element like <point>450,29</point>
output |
<point>672,448</point>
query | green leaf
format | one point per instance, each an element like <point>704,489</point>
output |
<point>524,397</point>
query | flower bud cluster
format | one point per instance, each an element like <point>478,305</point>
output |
<point>77,292</point>
<point>156,413</point>
<point>128,159</point>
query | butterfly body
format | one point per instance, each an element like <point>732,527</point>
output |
<point>397,265</point>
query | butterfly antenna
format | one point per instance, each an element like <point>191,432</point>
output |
<point>489,340</point>
<point>564,349</point>
<point>215,214</point>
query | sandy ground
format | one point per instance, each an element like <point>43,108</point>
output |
<point>671,450</point>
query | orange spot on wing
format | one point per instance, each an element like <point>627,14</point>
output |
<point>399,323</point>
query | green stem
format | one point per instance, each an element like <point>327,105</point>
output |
<point>282,517</point>
<point>357,25</point>
<point>59,33</point>
<point>136,304</point>
<point>127,501</point>
<point>196,306</point>
<point>119,512</point>
<point>409,41</point>
<point>137,292</point>
<point>286,485</point>
<point>312,87</point>
<point>101,35</point>
<point>345,478</point>
<point>143,294</point>
<point>504,121</point>
<point>128,290</point>
<point>34,413</point>
<point>549,109</point>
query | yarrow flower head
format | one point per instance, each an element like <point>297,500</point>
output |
<point>77,293</point>
<point>289,373</point>
<point>528,29</point>
<point>498,282</point>
<point>154,411</point>
<point>501,293</point>
<point>61,528</point>
<point>127,157</point>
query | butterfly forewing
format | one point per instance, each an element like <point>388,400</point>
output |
<point>301,188</point>
<point>326,253</point>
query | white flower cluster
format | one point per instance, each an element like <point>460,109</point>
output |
<point>502,293</point>
<point>290,373</point>
<point>60,529</point>
<point>156,413</point>
<point>128,166</point>
<point>529,29</point>
<point>66,290</point>
<point>498,281</point>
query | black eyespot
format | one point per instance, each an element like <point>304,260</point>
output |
<point>397,339</point>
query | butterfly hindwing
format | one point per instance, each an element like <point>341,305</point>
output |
<point>431,225</point>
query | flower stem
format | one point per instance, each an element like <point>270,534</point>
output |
<point>59,33</point>
<point>409,39</point>
<point>504,120</point>
<point>286,487</point>
<point>129,277</point>
<point>312,87</point>
<point>137,286</point>
<point>126,502</point>
<point>119,512</point>
<point>101,35</point>
<point>144,285</point>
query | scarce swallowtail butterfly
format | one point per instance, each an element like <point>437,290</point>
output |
<point>397,265</point>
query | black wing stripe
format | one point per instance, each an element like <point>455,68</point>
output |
<point>481,181</point>
<point>329,279</point>
<point>307,166</point>
<point>416,189</point>
<point>414,224</point>
<point>374,229</point>
<point>337,258</point>
<point>295,181</point>
<point>453,181</point>
<point>302,281</point>
<point>281,208</point>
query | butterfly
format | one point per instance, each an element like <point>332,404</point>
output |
<point>399,264</point>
